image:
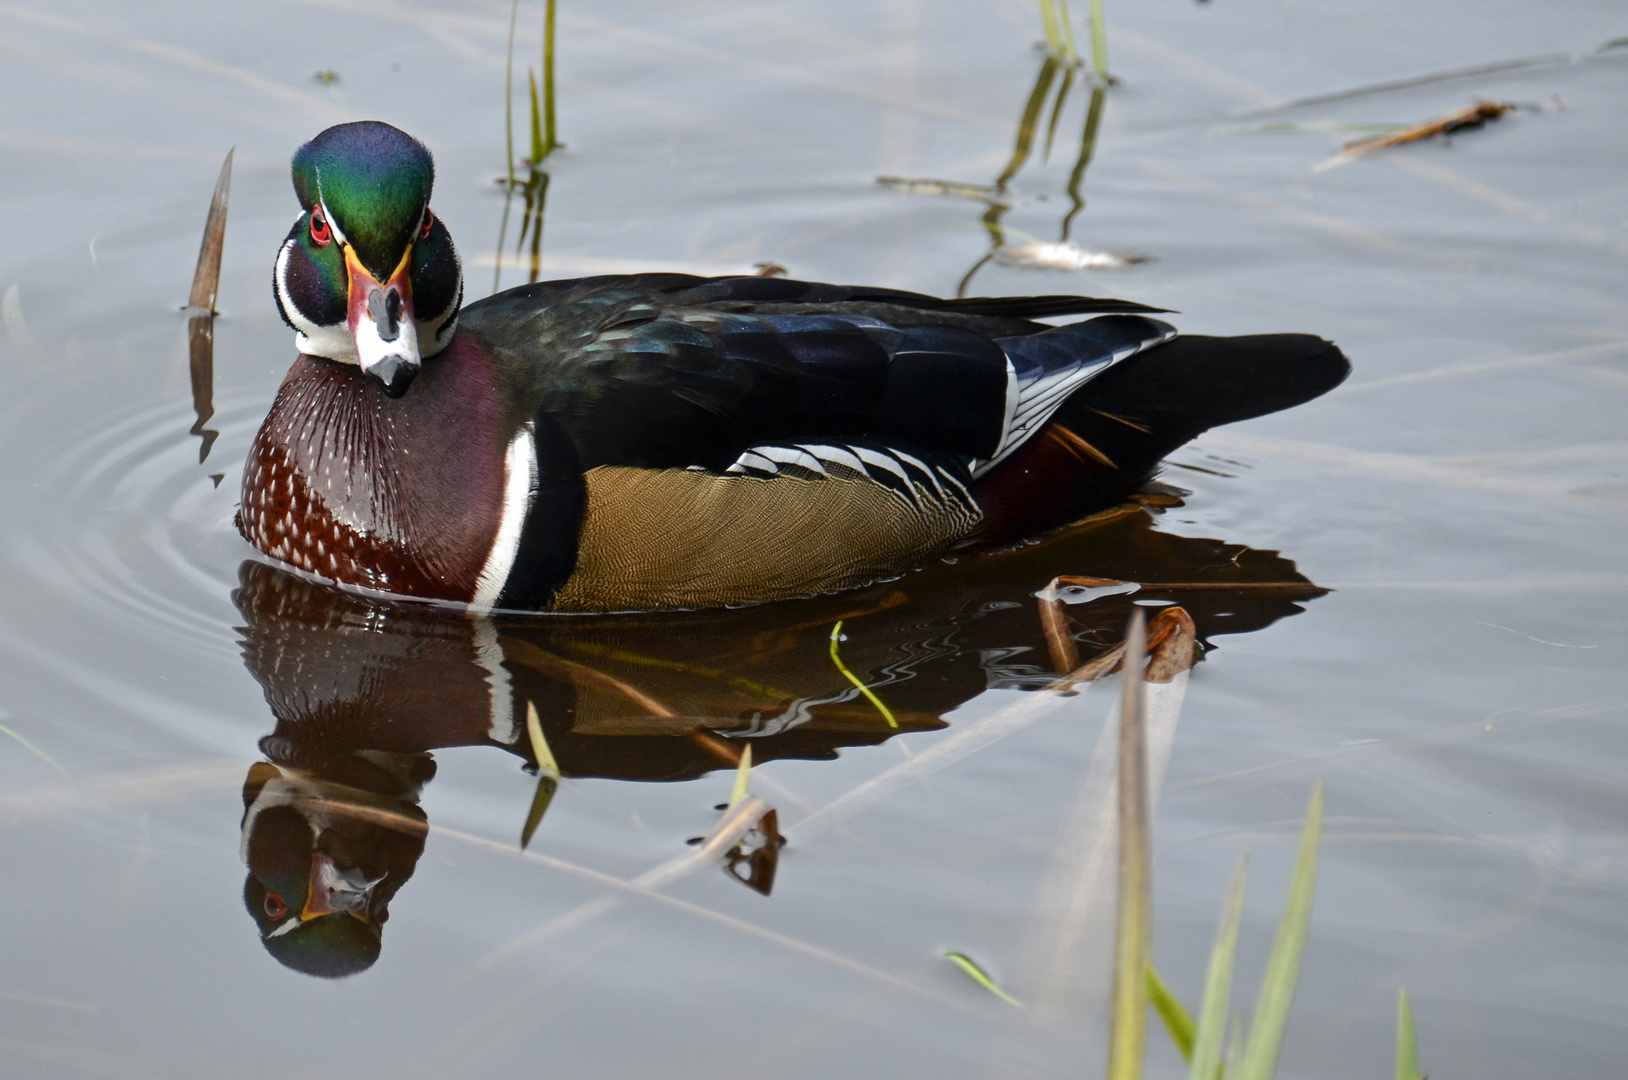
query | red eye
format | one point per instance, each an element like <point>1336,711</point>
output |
<point>429,222</point>
<point>321,234</point>
<point>275,908</point>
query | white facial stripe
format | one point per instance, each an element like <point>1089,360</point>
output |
<point>436,333</point>
<point>329,215</point>
<point>519,490</point>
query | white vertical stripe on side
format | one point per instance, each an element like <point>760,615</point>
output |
<point>519,489</point>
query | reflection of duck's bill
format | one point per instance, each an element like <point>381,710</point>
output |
<point>334,891</point>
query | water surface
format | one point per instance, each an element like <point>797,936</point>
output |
<point>1459,689</point>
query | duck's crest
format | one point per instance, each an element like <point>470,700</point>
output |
<point>375,182</point>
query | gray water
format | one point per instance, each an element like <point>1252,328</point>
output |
<point>1459,690</point>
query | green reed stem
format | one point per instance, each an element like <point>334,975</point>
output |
<point>550,140</point>
<point>537,148</point>
<point>1127,1039</point>
<point>1283,968</point>
<point>1407,1043</point>
<point>1099,43</point>
<point>981,977</point>
<point>508,94</point>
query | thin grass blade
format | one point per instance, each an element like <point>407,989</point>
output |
<point>36,751</point>
<point>1407,1044</point>
<point>1212,1011</point>
<point>537,149</point>
<point>743,777</point>
<point>1177,1020</point>
<point>1048,19</point>
<point>548,776</point>
<point>870,695</point>
<point>1066,25</point>
<point>546,765</point>
<point>1099,44</point>
<point>981,977</point>
<point>1283,969</point>
<point>1127,1040</point>
<point>508,101</point>
<point>550,141</point>
<point>206,278</point>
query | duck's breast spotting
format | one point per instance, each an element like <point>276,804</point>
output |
<point>402,495</point>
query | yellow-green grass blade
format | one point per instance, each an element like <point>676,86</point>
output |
<point>550,140</point>
<point>1048,18</point>
<point>36,751</point>
<point>1212,1011</point>
<point>537,150</point>
<point>508,97</point>
<point>548,776</point>
<point>1067,27</point>
<point>1283,968</point>
<point>743,777</point>
<point>1127,1040</point>
<point>539,745</point>
<point>981,977</point>
<point>870,696</point>
<point>1177,1020</point>
<point>1099,43</point>
<point>1407,1044</point>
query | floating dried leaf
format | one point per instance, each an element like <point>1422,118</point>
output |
<point>1464,119</point>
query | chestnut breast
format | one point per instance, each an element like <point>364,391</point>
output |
<point>400,495</point>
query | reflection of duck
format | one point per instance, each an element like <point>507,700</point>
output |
<point>665,696</point>
<point>363,689</point>
<point>662,441</point>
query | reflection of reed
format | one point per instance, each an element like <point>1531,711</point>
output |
<point>1023,151</point>
<point>201,302</point>
<point>1061,68</point>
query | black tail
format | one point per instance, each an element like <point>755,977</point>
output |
<point>1113,432</point>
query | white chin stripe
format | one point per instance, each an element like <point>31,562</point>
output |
<point>519,490</point>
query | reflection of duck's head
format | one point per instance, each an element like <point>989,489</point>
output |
<point>325,858</point>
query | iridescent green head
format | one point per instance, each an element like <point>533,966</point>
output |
<point>368,275</point>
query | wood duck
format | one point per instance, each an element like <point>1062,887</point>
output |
<point>654,441</point>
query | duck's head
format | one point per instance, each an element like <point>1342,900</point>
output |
<point>368,275</point>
